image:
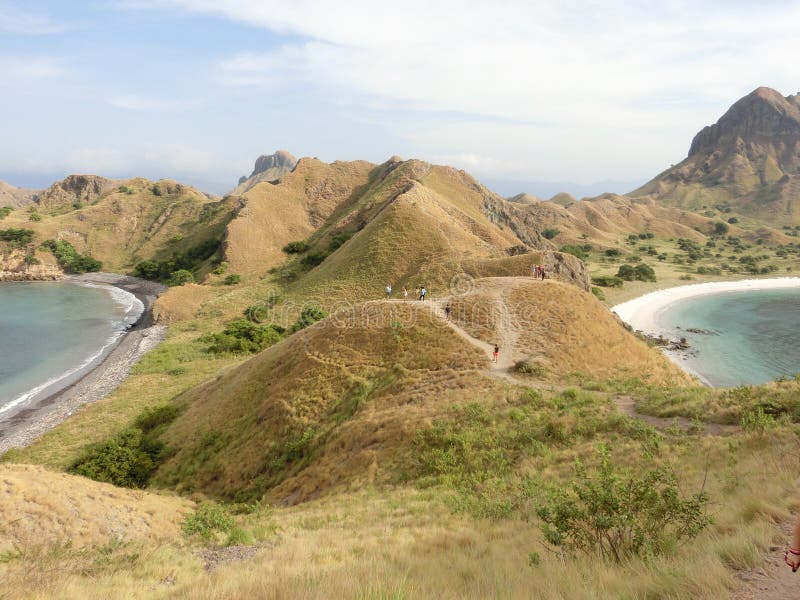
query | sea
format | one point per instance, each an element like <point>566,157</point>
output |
<point>52,333</point>
<point>740,337</point>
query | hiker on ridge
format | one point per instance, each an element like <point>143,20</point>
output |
<point>496,353</point>
<point>405,293</point>
<point>388,291</point>
<point>447,312</point>
<point>422,292</point>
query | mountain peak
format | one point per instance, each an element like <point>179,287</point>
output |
<point>268,167</point>
<point>762,114</point>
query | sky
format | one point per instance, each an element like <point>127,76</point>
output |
<point>581,96</point>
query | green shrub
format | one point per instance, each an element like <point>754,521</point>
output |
<point>16,237</point>
<point>613,252</point>
<point>607,281</point>
<point>575,251</point>
<point>339,240</point>
<point>180,277</point>
<point>615,516</point>
<point>35,217</point>
<point>309,316</point>
<point>130,457</point>
<point>733,220</point>
<point>529,368</point>
<point>221,268</point>
<point>232,279</point>
<point>243,337</point>
<point>549,234</point>
<point>312,259</point>
<point>69,259</point>
<point>757,421</point>
<point>626,273</point>
<point>598,293</point>
<point>644,272</point>
<point>212,523</point>
<point>5,211</point>
<point>162,270</point>
<point>721,228</point>
<point>296,247</point>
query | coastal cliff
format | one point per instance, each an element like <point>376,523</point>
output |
<point>16,266</point>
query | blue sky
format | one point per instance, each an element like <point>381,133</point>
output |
<point>516,92</point>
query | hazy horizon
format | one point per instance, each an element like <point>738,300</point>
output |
<point>523,97</point>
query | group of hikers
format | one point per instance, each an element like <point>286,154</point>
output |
<point>419,292</point>
<point>538,272</point>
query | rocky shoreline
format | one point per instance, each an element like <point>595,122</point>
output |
<point>28,425</point>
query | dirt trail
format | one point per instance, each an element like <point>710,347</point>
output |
<point>771,581</point>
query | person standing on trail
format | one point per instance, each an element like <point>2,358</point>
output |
<point>422,293</point>
<point>388,291</point>
<point>447,312</point>
<point>405,293</point>
<point>496,353</point>
<point>792,554</point>
<point>542,268</point>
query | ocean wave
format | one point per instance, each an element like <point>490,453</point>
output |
<point>133,308</point>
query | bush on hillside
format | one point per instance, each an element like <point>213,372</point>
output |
<point>16,237</point>
<point>312,259</point>
<point>549,234</point>
<point>296,247</point>
<point>615,515</point>
<point>607,281</point>
<point>243,337</point>
<point>641,272</point>
<point>163,270</point>
<point>339,240</point>
<point>232,279</point>
<point>644,272</point>
<point>309,316</point>
<point>578,251</point>
<point>35,217</point>
<point>69,258</point>
<point>180,277</point>
<point>613,252</point>
<point>721,228</point>
<point>5,211</point>
<point>599,294</point>
<point>129,458</point>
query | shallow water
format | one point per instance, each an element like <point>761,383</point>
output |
<point>52,332</point>
<point>753,335</point>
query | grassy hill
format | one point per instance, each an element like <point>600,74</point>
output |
<point>385,431</point>
<point>126,222</point>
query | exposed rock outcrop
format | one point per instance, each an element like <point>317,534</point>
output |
<point>268,167</point>
<point>62,195</point>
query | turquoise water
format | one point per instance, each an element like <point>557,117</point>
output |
<point>53,332</point>
<point>753,335</point>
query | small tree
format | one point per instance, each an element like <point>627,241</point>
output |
<point>626,272</point>
<point>721,228</point>
<point>615,516</point>
<point>644,272</point>
<point>180,277</point>
<point>309,316</point>
<point>550,233</point>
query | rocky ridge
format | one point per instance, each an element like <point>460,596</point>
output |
<point>268,167</point>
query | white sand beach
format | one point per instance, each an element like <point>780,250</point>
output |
<point>642,313</point>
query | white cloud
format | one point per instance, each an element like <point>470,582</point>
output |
<point>138,102</point>
<point>15,20</point>
<point>621,84</point>
<point>24,70</point>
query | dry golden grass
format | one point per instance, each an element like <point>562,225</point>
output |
<point>182,303</point>
<point>274,215</point>
<point>359,384</point>
<point>39,508</point>
<point>559,327</point>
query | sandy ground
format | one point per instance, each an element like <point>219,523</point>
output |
<point>29,424</point>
